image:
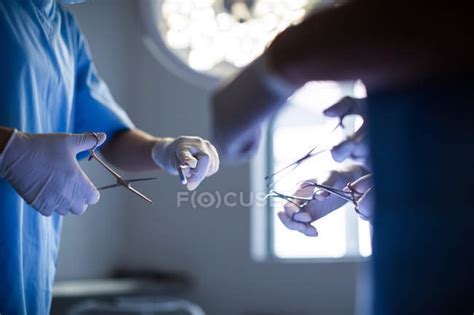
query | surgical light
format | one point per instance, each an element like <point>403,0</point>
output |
<point>217,37</point>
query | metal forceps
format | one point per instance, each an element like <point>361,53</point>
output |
<point>182,176</point>
<point>120,181</point>
<point>301,202</point>
<point>272,179</point>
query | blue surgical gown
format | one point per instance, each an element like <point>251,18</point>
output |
<point>48,83</point>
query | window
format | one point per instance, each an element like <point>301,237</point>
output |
<point>298,128</point>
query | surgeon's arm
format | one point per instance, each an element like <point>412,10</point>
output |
<point>385,43</point>
<point>131,151</point>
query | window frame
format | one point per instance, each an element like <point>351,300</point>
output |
<point>262,220</point>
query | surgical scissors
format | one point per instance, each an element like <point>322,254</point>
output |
<point>301,202</point>
<point>120,181</point>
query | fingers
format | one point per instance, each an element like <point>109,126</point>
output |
<point>85,141</point>
<point>186,158</point>
<point>49,177</point>
<point>78,197</point>
<point>199,172</point>
<point>322,203</point>
<point>62,209</point>
<point>321,195</point>
<point>78,208</point>
<point>51,204</point>
<point>300,214</point>
<point>305,228</point>
<point>362,184</point>
<point>346,106</point>
<point>78,203</point>
<point>92,196</point>
<point>74,205</point>
<point>297,219</point>
<point>365,203</point>
<point>200,155</point>
<point>43,207</point>
<point>290,207</point>
<point>303,217</point>
<point>330,180</point>
<point>81,192</point>
<point>342,151</point>
<point>296,213</point>
<point>354,147</point>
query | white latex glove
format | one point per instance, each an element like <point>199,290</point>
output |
<point>43,169</point>
<point>323,204</point>
<point>356,146</point>
<point>198,154</point>
<point>365,204</point>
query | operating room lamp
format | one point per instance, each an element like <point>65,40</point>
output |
<point>205,40</point>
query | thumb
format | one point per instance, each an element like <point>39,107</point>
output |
<point>346,106</point>
<point>321,195</point>
<point>365,205</point>
<point>186,158</point>
<point>362,184</point>
<point>86,141</point>
<point>342,151</point>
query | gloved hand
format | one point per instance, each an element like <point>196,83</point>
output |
<point>323,204</point>
<point>43,169</point>
<point>198,154</point>
<point>356,146</point>
<point>365,204</point>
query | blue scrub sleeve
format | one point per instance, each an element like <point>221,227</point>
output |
<point>94,107</point>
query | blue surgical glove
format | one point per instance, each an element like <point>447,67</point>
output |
<point>199,157</point>
<point>44,171</point>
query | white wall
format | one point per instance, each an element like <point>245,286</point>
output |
<point>210,244</point>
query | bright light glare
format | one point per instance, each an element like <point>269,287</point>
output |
<point>289,144</point>
<point>359,90</point>
<point>177,39</point>
<point>199,60</point>
<point>365,246</point>
<point>298,128</point>
<point>216,34</point>
<point>317,96</point>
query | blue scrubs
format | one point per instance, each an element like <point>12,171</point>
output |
<point>48,83</point>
